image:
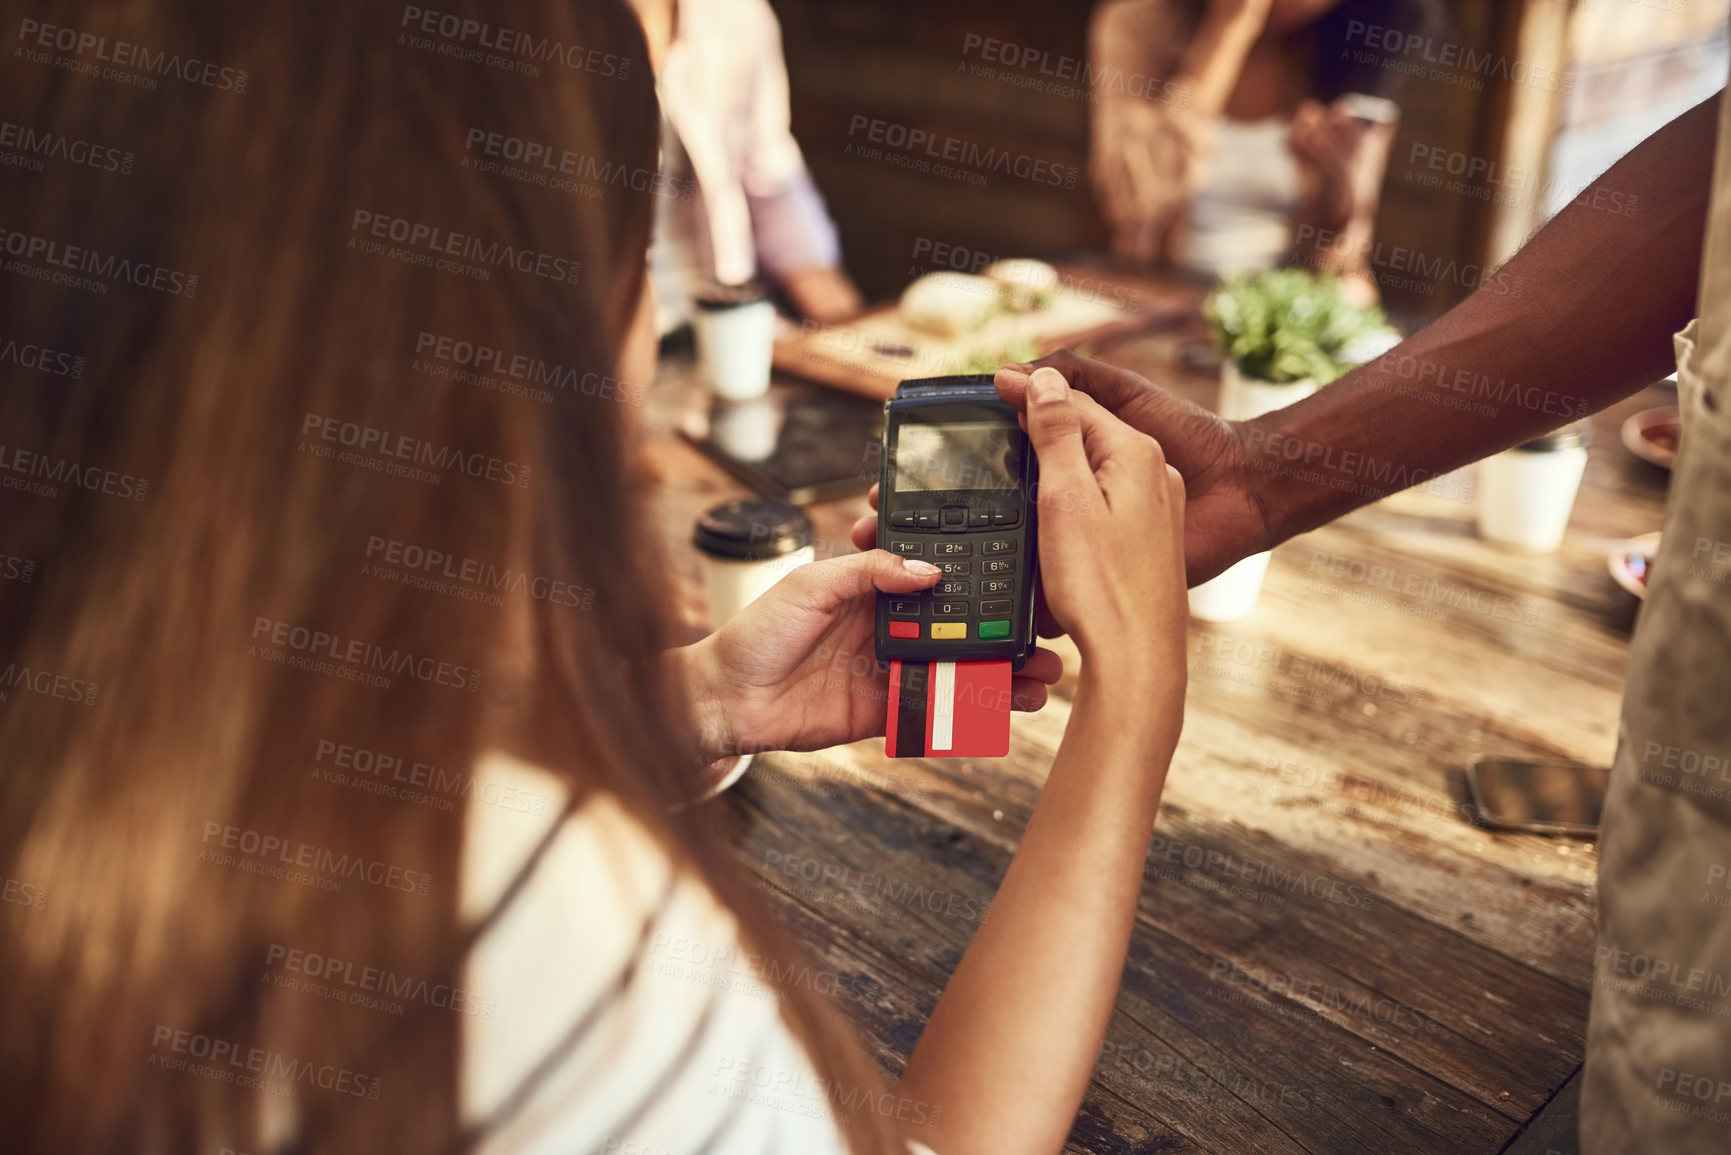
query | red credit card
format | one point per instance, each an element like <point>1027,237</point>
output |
<point>948,710</point>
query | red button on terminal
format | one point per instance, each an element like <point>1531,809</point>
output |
<point>904,629</point>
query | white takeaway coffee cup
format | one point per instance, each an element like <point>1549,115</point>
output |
<point>735,331</point>
<point>1525,494</point>
<point>748,545</point>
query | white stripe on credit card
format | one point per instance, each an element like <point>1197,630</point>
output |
<point>943,704</point>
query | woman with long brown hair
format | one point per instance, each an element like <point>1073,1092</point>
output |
<point>341,741</point>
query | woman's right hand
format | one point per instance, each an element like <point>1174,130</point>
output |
<point>1111,518</point>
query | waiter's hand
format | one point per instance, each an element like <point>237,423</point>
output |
<point>797,669</point>
<point>1223,520</point>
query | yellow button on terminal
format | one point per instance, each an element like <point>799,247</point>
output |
<point>949,629</point>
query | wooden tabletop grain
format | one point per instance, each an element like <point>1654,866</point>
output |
<point>1330,956</point>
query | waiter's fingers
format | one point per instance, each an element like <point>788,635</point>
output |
<point>1042,666</point>
<point>865,533</point>
<point>1027,694</point>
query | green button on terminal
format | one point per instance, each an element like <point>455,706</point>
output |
<point>994,629</point>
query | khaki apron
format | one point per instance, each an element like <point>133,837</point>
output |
<point>1658,1069</point>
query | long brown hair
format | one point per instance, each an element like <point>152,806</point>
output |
<point>250,254</point>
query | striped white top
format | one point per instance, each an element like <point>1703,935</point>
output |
<point>621,1013</point>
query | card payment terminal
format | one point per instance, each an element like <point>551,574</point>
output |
<point>954,490</point>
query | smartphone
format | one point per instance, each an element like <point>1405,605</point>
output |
<point>955,478</point>
<point>1367,109</point>
<point>1551,797</point>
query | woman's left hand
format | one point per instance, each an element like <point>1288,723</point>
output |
<point>797,669</point>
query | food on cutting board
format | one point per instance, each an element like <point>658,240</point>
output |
<point>955,304</point>
<point>950,304</point>
<point>1015,353</point>
<point>1027,284</point>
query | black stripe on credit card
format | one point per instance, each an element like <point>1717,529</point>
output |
<point>911,695</point>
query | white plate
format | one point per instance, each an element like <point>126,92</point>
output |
<point>1638,433</point>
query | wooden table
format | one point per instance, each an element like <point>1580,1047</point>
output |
<point>1329,956</point>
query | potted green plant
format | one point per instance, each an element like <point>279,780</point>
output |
<point>1285,334</point>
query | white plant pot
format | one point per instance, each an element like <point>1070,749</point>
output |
<point>1232,596</point>
<point>1242,398</point>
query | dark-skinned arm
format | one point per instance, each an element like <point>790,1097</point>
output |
<point>1581,317</point>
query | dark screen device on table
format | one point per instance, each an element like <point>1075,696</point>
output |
<point>1552,797</point>
<point>954,490</point>
<point>799,443</point>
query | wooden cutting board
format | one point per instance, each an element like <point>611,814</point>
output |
<point>871,354</point>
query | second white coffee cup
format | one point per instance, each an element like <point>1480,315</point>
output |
<point>1527,493</point>
<point>735,331</point>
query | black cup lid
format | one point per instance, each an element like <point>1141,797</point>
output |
<point>753,529</point>
<point>715,295</point>
<point>1578,435</point>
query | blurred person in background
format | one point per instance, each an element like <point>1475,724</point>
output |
<point>1234,135</point>
<point>747,204</point>
<point>325,846</point>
